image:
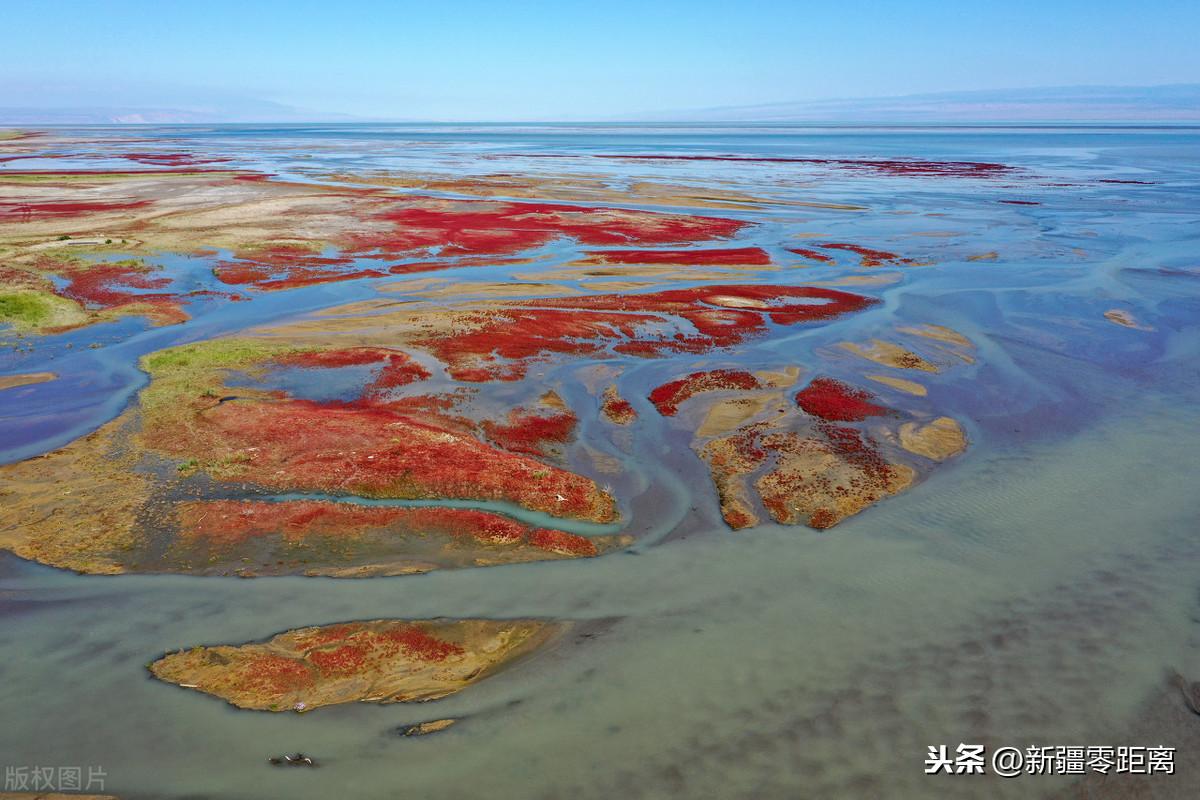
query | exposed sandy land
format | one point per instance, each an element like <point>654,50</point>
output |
<point>447,289</point>
<point>663,273</point>
<point>779,379</point>
<point>13,381</point>
<point>890,355</point>
<point>878,279</point>
<point>940,333</point>
<point>911,387</point>
<point>586,187</point>
<point>1125,319</point>
<point>937,440</point>
<point>727,415</point>
<point>74,507</point>
<point>380,661</point>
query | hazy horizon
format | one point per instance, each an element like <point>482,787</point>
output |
<point>1155,105</point>
<point>564,62</point>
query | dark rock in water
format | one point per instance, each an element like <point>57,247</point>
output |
<point>293,760</point>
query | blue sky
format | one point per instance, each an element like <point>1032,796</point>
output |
<point>543,60</point>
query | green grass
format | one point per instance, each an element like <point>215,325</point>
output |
<point>27,310</point>
<point>31,309</point>
<point>212,354</point>
<point>180,375</point>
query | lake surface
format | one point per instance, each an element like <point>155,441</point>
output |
<point>1036,590</point>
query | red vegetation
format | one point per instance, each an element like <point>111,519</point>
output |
<point>857,449</point>
<point>434,266</point>
<point>107,172</point>
<point>567,544</point>
<point>531,433</point>
<point>666,398</point>
<point>814,255</point>
<point>617,408</point>
<point>172,159</point>
<point>374,450</point>
<point>25,212</point>
<point>345,660</point>
<point>870,481</point>
<point>277,674</point>
<point>635,324</point>
<point>330,634</point>
<point>474,233</point>
<point>868,256</point>
<point>398,369</point>
<point>491,228</point>
<point>835,401</point>
<point>108,287</point>
<point>359,647</point>
<point>229,522</point>
<point>332,359</point>
<point>418,644</point>
<point>714,257</point>
<point>288,267</point>
<point>912,167</point>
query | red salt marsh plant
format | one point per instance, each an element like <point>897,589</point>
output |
<point>531,432</point>
<point>617,408</point>
<point>173,159</point>
<point>813,255</point>
<point>464,233</point>
<point>499,344</point>
<point>868,257</point>
<point>725,256</point>
<point>342,448</point>
<point>108,288</point>
<point>377,452</point>
<point>668,397</point>
<point>396,368</point>
<point>357,540</point>
<point>379,661</point>
<point>898,167</point>
<point>289,266</point>
<point>497,228</point>
<point>27,212</point>
<point>834,401</point>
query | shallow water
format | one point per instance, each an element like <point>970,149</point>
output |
<point>1032,592</point>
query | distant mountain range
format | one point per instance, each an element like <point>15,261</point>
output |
<point>1179,103</point>
<point>26,101</point>
<point>1172,103</point>
<point>138,115</point>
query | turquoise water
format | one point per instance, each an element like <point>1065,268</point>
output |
<point>1031,592</point>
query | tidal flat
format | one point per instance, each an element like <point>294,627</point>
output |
<point>593,461</point>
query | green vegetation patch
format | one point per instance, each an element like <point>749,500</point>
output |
<point>35,310</point>
<point>182,375</point>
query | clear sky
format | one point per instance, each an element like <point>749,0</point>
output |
<point>569,60</point>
